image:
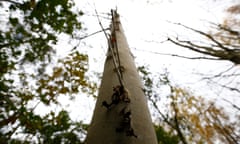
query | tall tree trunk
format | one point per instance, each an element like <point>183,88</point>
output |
<point>121,114</point>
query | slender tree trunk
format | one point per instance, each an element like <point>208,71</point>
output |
<point>121,115</point>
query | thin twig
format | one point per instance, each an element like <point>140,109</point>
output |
<point>233,105</point>
<point>176,55</point>
<point>206,35</point>
<point>87,36</point>
<point>220,74</point>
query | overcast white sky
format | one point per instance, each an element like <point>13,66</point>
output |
<point>144,21</point>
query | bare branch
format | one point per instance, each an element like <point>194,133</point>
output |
<point>84,37</point>
<point>221,74</point>
<point>11,1</point>
<point>231,88</point>
<point>227,87</point>
<point>197,47</point>
<point>229,30</point>
<point>179,56</point>
<point>206,35</point>
<point>233,105</point>
<point>191,47</point>
<point>222,52</point>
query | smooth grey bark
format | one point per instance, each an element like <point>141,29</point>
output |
<point>102,129</point>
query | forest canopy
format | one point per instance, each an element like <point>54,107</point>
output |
<point>32,75</point>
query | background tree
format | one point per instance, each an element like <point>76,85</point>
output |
<point>192,119</point>
<point>218,42</point>
<point>28,35</point>
<point>222,40</point>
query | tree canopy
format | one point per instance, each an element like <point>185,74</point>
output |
<point>28,35</point>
